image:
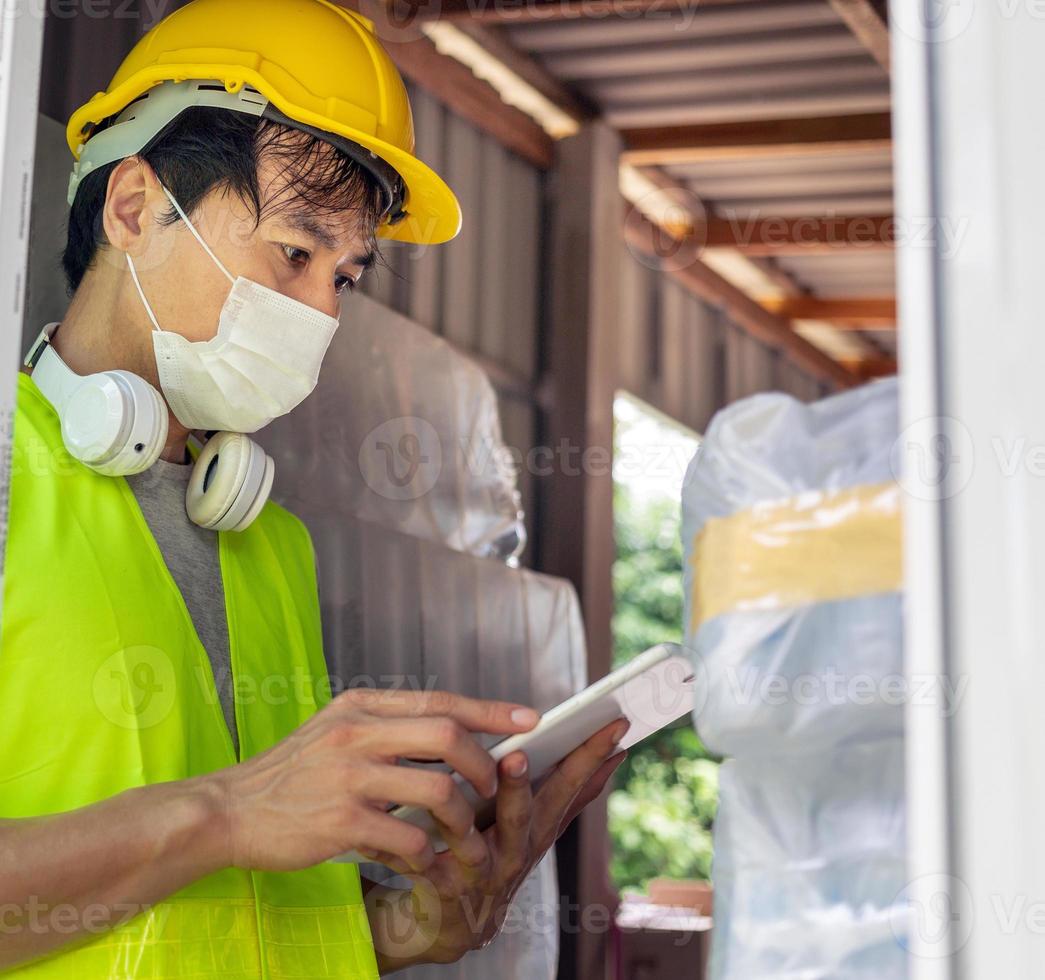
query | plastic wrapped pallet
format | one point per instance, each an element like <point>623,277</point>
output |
<point>402,431</point>
<point>398,610</point>
<point>791,525</point>
<point>396,465</point>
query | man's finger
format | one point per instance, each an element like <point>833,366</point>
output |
<point>514,810</point>
<point>569,777</point>
<point>475,714</point>
<point>436,792</point>
<point>390,861</point>
<point>591,790</point>
<point>432,879</point>
<point>381,832</point>
<point>471,851</point>
<point>440,739</point>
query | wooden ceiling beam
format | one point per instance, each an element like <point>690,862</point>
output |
<point>873,367</point>
<point>678,192</point>
<point>657,145</point>
<point>447,80</point>
<point>769,328</point>
<point>765,267</point>
<point>799,236</point>
<point>529,70</point>
<point>866,23</point>
<point>852,313</point>
<point>776,274</point>
<point>456,86</point>
<point>528,11</point>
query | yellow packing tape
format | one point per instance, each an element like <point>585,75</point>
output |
<point>815,547</point>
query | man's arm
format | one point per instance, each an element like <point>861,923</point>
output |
<point>86,871</point>
<point>320,792</point>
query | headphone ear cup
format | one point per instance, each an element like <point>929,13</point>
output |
<point>115,423</point>
<point>230,483</point>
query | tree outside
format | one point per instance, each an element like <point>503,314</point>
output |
<point>665,794</point>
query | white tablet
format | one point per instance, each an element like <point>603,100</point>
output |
<point>651,691</point>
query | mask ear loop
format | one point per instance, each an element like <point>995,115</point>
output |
<point>195,234</point>
<point>141,293</point>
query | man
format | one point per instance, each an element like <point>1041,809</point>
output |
<point>152,824</point>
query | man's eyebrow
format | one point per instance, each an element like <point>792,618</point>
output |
<point>323,235</point>
<point>366,260</point>
<point>312,228</point>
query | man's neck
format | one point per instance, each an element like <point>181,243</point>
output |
<point>94,337</point>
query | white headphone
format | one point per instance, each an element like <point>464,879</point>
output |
<point>115,423</point>
<point>230,483</point>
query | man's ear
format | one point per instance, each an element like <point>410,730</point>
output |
<point>129,214</point>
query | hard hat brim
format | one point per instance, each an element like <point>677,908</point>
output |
<point>433,214</point>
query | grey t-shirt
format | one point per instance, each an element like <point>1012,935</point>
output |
<point>191,554</point>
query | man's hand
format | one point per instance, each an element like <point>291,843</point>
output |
<point>324,789</point>
<point>459,903</point>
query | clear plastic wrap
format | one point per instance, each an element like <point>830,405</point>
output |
<point>491,631</point>
<point>791,525</point>
<point>403,611</point>
<point>397,608</point>
<point>397,466</point>
<point>402,431</point>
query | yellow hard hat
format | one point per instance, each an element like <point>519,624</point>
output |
<point>310,64</point>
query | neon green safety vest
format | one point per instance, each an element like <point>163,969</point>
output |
<point>104,685</point>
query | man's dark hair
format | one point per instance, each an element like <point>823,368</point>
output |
<point>205,149</point>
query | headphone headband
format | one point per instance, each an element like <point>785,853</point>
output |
<point>52,375</point>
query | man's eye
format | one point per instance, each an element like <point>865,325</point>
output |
<point>295,255</point>
<point>341,283</point>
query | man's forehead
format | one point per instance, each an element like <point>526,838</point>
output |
<point>334,234</point>
<point>330,234</point>
<point>337,230</point>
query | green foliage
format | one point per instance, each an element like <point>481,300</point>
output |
<point>660,820</point>
<point>647,575</point>
<point>663,806</point>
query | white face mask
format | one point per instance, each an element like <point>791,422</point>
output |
<point>263,362</point>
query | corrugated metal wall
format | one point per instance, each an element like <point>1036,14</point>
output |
<point>685,357</point>
<point>482,290</point>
